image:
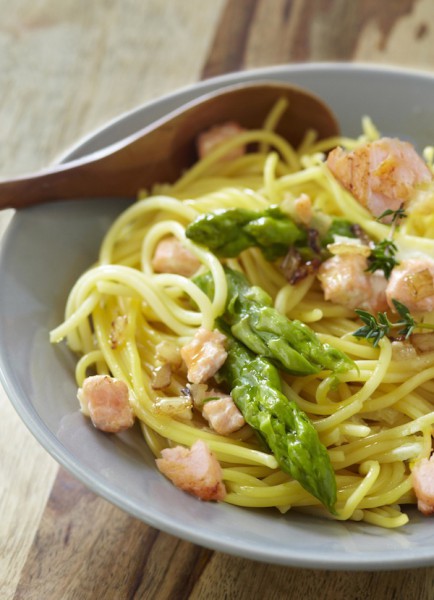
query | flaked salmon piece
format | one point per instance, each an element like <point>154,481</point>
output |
<point>381,175</point>
<point>213,137</point>
<point>106,401</point>
<point>195,470</point>
<point>222,414</point>
<point>344,281</point>
<point>204,355</point>
<point>171,256</point>
<point>423,485</point>
<point>412,284</point>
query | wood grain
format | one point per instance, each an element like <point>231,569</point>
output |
<point>65,68</point>
<point>94,538</point>
<point>68,67</point>
<point>97,551</point>
<point>251,35</point>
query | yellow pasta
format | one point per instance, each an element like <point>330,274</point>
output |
<point>375,420</point>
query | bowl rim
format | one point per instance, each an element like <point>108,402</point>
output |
<point>48,440</point>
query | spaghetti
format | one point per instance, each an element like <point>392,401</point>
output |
<point>375,419</point>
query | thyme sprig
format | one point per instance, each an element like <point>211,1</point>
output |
<point>382,257</point>
<point>396,215</point>
<point>383,254</point>
<point>376,328</point>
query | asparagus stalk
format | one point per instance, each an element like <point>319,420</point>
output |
<point>228,232</point>
<point>291,345</point>
<point>256,390</point>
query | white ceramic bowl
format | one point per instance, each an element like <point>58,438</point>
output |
<point>44,250</point>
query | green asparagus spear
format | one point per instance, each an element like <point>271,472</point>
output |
<point>290,345</point>
<point>228,232</point>
<point>256,390</point>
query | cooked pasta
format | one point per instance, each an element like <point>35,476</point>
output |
<point>375,419</point>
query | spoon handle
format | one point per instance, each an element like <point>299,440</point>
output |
<point>117,171</point>
<point>161,151</point>
<point>54,184</point>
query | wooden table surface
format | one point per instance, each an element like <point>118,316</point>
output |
<point>66,67</point>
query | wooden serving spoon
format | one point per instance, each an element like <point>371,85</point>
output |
<point>161,151</point>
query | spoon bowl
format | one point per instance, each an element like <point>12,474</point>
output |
<point>161,151</point>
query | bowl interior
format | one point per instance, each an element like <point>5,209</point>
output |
<point>47,247</point>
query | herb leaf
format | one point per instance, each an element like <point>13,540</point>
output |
<point>383,257</point>
<point>396,214</point>
<point>407,322</point>
<point>376,328</point>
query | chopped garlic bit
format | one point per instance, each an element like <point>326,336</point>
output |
<point>347,245</point>
<point>169,352</point>
<point>161,377</point>
<point>198,392</point>
<point>117,332</point>
<point>178,407</point>
<point>403,350</point>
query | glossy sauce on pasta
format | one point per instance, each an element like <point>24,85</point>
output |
<point>375,420</point>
